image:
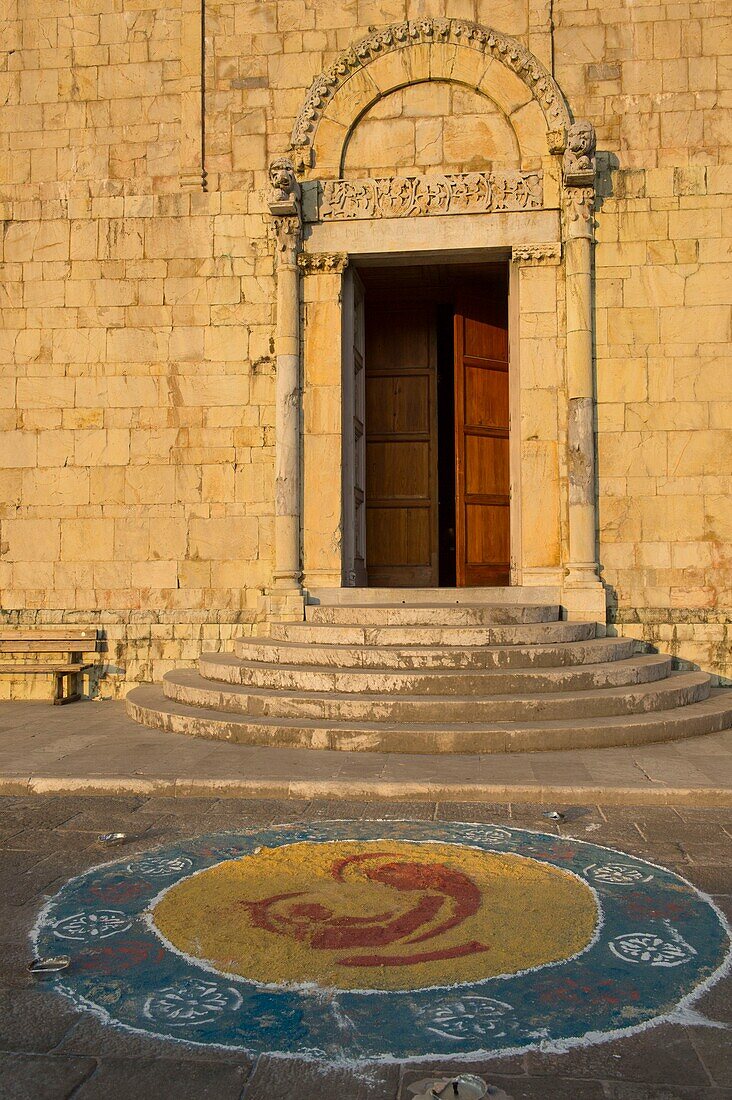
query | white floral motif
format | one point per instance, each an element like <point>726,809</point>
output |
<point>156,865</point>
<point>92,926</point>
<point>191,1003</point>
<point>468,1019</point>
<point>493,834</point>
<point>617,874</point>
<point>651,949</point>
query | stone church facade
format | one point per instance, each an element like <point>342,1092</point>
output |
<point>212,213</point>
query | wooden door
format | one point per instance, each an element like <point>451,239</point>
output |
<point>401,446</point>
<point>482,477</point>
<point>354,442</point>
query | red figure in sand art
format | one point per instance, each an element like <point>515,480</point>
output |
<point>446,897</point>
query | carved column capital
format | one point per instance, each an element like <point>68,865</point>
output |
<point>323,262</point>
<point>579,208</point>
<point>287,232</point>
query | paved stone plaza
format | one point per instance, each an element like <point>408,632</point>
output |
<point>52,1051</point>
<point>97,748</point>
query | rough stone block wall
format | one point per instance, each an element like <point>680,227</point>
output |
<point>136,319</point>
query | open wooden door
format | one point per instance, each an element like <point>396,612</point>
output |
<point>354,440</point>
<point>482,475</point>
<point>401,444</point>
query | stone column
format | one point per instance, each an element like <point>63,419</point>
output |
<point>284,206</point>
<point>584,595</point>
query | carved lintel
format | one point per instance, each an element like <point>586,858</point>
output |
<point>579,158</point>
<point>544,254</point>
<point>507,51</point>
<point>323,262</point>
<point>417,196</point>
<point>579,206</point>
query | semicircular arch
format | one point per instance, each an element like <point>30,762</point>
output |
<point>455,51</point>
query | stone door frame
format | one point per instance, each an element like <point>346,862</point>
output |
<point>326,358</point>
<point>541,216</point>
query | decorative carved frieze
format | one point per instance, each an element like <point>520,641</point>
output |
<point>416,196</point>
<point>547,254</point>
<point>579,157</point>
<point>507,51</point>
<point>323,262</point>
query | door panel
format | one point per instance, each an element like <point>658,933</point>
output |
<point>398,404</point>
<point>487,535</point>
<point>486,465</point>
<point>486,393</point>
<point>401,446</point>
<point>400,537</point>
<point>398,469</point>
<point>482,477</point>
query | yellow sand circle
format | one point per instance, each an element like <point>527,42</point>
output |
<point>378,915</point>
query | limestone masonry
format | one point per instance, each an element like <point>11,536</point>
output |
<point>186,190</point>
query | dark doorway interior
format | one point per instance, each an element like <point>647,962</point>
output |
<point>436,365</point>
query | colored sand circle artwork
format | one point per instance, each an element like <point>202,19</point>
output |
<point>370,940</point>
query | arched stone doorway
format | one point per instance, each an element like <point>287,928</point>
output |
<point>387,173</point>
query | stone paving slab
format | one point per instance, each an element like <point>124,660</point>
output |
<point>94,748</point>
<point>51,1051</point>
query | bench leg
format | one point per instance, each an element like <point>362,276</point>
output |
<point>72,693</point>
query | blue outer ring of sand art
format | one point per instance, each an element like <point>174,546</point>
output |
<point>659,944</point>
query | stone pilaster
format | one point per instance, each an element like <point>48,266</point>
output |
<point>584,596</point>
<point>284,206</point>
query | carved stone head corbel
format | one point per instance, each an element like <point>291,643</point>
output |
<point>283,197</point>
<point>579,156</point>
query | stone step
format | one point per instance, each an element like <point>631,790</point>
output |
<point>226,668</point>
<point>436,615</point>
<point>516,594</point>
<point>560,655</point>
<point>149,706</point>
<point>340,634</point>
<point>679,690</point>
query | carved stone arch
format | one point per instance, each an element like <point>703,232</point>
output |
<point>429,49</point>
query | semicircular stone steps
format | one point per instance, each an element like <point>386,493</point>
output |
<point>428,615</point>
<point>189,687</point>
<point>426,634</point>
<point>559,655</point>
<point>423,677</point>
<point>445,682</point>
<point>148,705</point>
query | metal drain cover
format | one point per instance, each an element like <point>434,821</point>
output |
<point>466,1086</point>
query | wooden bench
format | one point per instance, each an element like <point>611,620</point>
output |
<point>73,643</point>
